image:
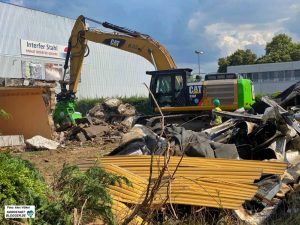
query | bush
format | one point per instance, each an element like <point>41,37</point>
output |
<point>22,185</point>
<point>76,189</point>
<point>142,104</point>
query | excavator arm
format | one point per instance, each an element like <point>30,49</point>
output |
<point>127,40</point>
<point>121,38</point>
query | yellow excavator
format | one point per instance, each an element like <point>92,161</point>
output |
<point>177,92</point>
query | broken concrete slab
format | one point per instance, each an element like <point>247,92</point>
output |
<point>93,131</point>
<point>39,142</point>
<point>126,110</point>
<point>258,217</point>
<point>81,137</point>
<point>293,157</point>
<point>96,112</point>
<point>112,103</point>
<point>11,140</point>
<point>128,122</point>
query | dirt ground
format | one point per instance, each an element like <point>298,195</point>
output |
<point>50,162</point>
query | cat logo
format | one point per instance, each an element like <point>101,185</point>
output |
<point>114,42</point>
<point>196,89</point>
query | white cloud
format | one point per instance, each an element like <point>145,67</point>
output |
<point>230,37</point>
<point>295,7</point>
<point>195,21</point>
<point>17,2</point>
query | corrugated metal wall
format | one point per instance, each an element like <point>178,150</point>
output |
<point>106,71</point>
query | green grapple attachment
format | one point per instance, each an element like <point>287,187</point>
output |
<point>64,113</point>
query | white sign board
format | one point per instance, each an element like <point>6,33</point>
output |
<point>42,49</point>
<point>19,211</point>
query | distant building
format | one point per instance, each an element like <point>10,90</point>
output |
<point>33,45</point>
<point>269,77</point>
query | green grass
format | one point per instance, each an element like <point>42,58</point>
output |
<point>260,95</point>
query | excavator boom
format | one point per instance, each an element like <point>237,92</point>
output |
<point>127,40</point>
<point>121,38</point>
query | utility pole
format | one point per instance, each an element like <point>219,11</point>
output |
<point>199,53</point>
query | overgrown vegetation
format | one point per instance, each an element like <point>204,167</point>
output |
<point>205,216</point>
<point>20,184</point>
<point>141,104</point>
<point>84,192</point>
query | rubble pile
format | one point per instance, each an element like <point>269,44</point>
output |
<point>105,122</point>
<point>272,136</point>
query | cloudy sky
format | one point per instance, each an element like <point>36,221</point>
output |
<point>216,27</point>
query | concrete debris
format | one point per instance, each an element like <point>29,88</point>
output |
<point>39,142</point>
<point>108,122</point>
<point>140,140</point>
<point>81,137</point>
<point>190,143</point>
<point>258,217</point>
<point>11,140</point>
<point>126,110</point>
<point>96,112</point>
<point>128,122</point>
<point>113,103</point>
<point>93,131</point>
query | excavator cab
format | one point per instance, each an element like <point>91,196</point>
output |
<point>169,87</point>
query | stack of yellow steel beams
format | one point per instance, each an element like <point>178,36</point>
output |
<point>121,212</point>
<point>219,183</point>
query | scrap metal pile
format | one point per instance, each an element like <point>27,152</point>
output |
<point>248,163</point>
<point>192,181</point>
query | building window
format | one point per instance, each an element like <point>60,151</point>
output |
<point>271,76</point>
<point>265,76</point>
<point>248,76</point>
<point>255,77</point>
<point>281,75</point>
<point>289,75</point>
<point>297,74</point>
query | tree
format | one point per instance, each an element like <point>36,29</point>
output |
<point>280,49</point>
<point>223,63</point>
<point>281,44</point>
<point>239,57</point>
<point>295,53</point>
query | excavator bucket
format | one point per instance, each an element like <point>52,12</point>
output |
<point>27,112</point>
